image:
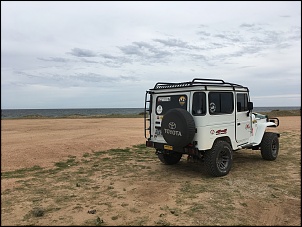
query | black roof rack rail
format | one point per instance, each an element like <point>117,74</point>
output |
<point>196,82</point>
<point>212,80</point>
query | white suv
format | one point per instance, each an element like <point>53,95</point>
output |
<point>206,119</point>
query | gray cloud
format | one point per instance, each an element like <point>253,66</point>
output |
<point>131,50</point>
<point>173,43</point>
<point>92,78</point>
<point>244,25</point>
<point>71,80</point>
<point>229,37</point>
<point>109,56</point>
<point>82,53</point>
<point>54,59</point>
<point>144,51</point>
<point>99,80</point>
<point>295,33</point>
<point>176,43</point>
<point>114,61</point>
<point>88,61</point>
<point>159,50</point>
<point>203,33</point>
<point>145,45</point>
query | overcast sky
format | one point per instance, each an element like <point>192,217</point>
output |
<point>107,54</point>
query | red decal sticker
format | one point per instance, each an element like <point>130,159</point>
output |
<point>221,131</point>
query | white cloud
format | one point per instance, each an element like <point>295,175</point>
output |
<point>77,51</point>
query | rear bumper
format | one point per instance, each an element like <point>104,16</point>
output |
<point>189,149</point>
<point>160,146</point>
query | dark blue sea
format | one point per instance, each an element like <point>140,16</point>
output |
<point>20,113</point>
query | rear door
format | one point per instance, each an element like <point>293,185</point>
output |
<point>162,104</point>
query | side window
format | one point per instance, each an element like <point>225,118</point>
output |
<point>199,104</point>
<point>242,102</point>
<point>221,102</point>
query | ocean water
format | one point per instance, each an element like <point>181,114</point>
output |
<point>18,113</point>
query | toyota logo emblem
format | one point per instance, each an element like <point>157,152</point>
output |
<point>172,125</point>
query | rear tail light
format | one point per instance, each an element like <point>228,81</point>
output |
<point>149,143</point>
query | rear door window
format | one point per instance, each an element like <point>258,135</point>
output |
<point>165,103</point>
<point>199,104</point>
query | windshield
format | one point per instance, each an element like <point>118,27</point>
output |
<point>260,116</point>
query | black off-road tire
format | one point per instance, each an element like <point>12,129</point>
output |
<point>218,161</point>
<point>178,127</point>
<point>269,146</point>
<point>170,159</point>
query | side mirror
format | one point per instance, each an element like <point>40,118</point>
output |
<point>250,106</point>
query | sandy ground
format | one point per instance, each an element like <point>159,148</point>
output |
<point>25,143</point>
<point>43,142</point>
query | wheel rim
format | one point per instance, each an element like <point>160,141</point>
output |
<point>223,160</point>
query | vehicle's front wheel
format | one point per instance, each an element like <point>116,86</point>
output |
<point>269,146</point>
<point>170,159</point>
<point>219,159</point>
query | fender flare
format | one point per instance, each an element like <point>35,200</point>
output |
<point>261,130</point>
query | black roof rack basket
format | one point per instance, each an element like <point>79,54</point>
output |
<point>196,82</point>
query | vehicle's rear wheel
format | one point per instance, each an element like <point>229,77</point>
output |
<point>269,146</point>
<point>219,159</point>
<point>170,159</point>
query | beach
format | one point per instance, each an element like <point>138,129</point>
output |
<point>62,172</point>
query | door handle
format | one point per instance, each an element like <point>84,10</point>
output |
<point>238,123</point>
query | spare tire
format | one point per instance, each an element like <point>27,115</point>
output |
<point>178,127</point>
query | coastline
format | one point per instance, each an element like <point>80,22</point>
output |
<point>76,116</point>
<point>273,113</point>
<point>115,112</point>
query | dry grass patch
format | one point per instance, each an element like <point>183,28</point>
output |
<point>132,187</point>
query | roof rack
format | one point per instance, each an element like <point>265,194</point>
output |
<point>196,82</point>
